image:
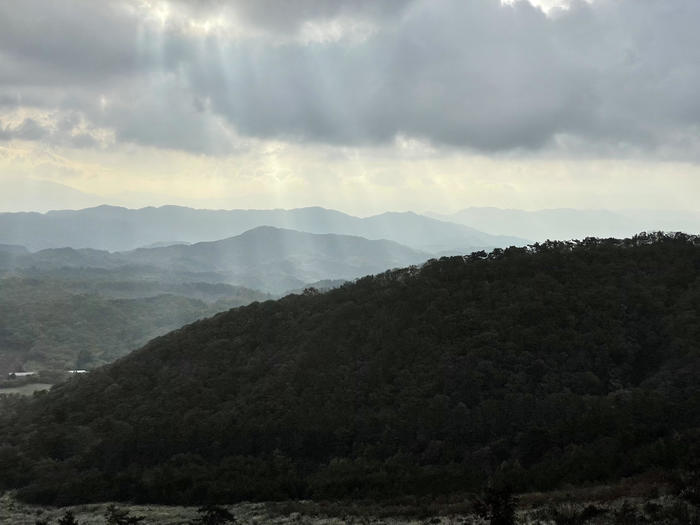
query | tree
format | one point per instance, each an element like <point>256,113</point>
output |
<point>84,359</point>
<point>497,505</point>
<point>213,515</point>
<point>68,519</point>
<point>116,516</point>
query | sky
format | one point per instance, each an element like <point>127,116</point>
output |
<point>357,105</point>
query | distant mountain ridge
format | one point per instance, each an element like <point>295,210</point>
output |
<point>567,223</point>
<point>265,258</point>
<point>118,229</point>
<point>13,249</point>
<point>275,259</point>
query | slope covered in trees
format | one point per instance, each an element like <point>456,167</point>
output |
<point>561,363</point>
<point>52,323</point>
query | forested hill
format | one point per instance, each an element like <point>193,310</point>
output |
<point>561,363</point>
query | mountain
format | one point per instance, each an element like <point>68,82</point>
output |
<point>60,303</point>
<point>565,363</point>
<point>566,223</point>
<point>9,253</point>
<point>264,258</point>
<point>276,260</point>
<point>119,229</point>
<point>13,249</point>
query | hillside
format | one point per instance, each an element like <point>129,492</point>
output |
<point>52,324</point>
<point>60,303</point>
<point>119,229</point>
<point>276,260</point>
<point>561,363</point>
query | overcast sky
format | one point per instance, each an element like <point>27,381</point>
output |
<point>359,105</point>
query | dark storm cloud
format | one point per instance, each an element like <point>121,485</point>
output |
<point>618,76</point>
<point>66,39</point>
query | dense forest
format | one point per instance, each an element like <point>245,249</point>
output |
<point>562,362</point>
<point>52,320</point>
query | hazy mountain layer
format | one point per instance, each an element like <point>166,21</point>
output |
<point>117,229</point>
<point>572,224</point>
<point>265,258</point>
<point>563,363</point>
<point>276,260</point>
<point>62,303</point>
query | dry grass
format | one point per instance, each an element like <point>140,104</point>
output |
<point>648,497</point>
<point>26,390</point>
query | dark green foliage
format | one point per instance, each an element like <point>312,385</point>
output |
<point>213,515</point>
<point>46,323</point>
<point>627,514</point>
<point>573,514</point>
<point>684,514</point>
<point>688,483</point>
<point>560,363</point>
<point>116,516</point>
<point>67,519</point>
<point>496,505</point>
<point>653,510</point>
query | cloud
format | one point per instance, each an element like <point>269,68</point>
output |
<point>28,129</point>
<point>66,129</point>
<point>290,16</point>
<point>611,77</point>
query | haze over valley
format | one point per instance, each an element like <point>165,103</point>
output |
<point>108,303</point>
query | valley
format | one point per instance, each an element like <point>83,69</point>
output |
<point>633,500</point>
<point>66,308</point>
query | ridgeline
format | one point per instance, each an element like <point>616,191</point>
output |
<point>565,362</point>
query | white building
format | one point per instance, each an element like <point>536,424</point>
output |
<point>15,375</point>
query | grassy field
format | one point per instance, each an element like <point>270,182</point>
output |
<point>629,502</point>
<point>12,512</point>
<point>26,390</point>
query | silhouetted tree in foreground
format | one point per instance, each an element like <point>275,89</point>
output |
<point>68,519</point>
<point>497,505</point>
<point>116,516</point>
<point>574,514</point>
<point>689,485</point>
<point>213,515</point>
